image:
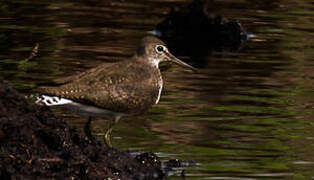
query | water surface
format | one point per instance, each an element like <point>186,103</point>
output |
<point>246,115</point>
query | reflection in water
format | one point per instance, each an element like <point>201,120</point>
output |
<point>247,114</point>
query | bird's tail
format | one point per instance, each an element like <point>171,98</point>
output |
<point>34,98</point>
<point>48,100</point>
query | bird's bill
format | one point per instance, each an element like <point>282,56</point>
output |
<point>172,58</point>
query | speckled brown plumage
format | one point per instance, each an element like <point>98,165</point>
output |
<point>130,86</point>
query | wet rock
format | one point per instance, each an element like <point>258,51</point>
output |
<point>149,159</point>
<point>195,30</point>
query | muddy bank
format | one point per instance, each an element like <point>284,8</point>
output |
<point>36,144</point>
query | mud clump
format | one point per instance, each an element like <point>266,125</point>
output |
<point>35,144</point>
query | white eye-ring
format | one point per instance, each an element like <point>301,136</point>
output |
<point>160,48</point>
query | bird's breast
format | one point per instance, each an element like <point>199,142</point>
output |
<point>159,85</point>
<point>147,93</point>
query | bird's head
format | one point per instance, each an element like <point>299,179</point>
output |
<point>155,51</point>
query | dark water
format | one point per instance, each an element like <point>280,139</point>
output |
<point>245,115</point>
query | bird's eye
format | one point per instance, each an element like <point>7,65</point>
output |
<point>160,48</point>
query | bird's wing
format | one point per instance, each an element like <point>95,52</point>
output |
<point>83,81</point>
<point>109,88</point>
<point>64,80</point>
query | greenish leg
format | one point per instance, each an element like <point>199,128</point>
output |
<point>87,129</point>
<point>107,138</point>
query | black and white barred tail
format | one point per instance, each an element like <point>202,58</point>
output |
<point>48,100</point>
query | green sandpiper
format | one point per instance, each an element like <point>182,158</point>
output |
<point>114,90</point>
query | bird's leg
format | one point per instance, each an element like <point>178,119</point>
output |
<point>108,137</point>
<point>87,129</point>
<point>108,133</point>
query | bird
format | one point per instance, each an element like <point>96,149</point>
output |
<point>114,90</point>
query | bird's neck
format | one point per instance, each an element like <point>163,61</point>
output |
<point>154,62</point>
<point>148,60</point>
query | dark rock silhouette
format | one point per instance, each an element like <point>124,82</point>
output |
<point>195,30</point>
